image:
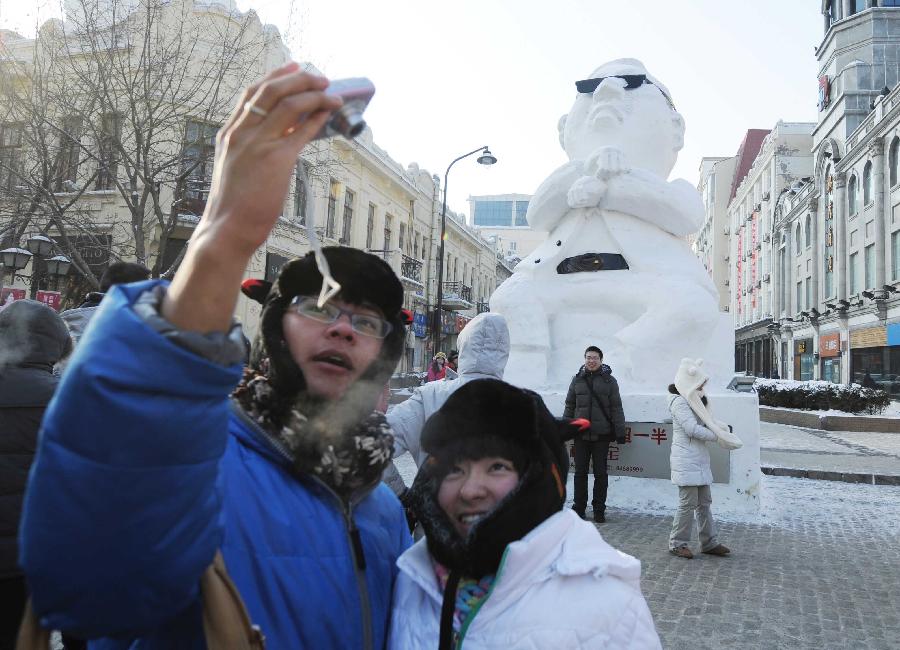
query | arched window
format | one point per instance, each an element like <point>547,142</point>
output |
<point>851,196</point>
<point>893,159</point>
<point>808,232</point>
<point>867,184</point>
<point>798,243</point>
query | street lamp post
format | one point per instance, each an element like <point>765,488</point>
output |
<point>486,158</point>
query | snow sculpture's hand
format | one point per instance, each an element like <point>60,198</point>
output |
<point>606,163</point>
<point>586,192</point>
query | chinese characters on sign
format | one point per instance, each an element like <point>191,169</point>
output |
<point>645,453</point>
<point>50,298</point>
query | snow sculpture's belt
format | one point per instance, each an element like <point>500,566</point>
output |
<point>592,262</point>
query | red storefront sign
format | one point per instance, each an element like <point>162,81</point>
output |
<point>830,345</point>
<point>50,298</point>
<point>8,295</point>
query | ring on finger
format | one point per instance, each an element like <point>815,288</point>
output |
<point>253,108</point>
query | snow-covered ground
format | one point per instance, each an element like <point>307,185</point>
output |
<point>784,502</point>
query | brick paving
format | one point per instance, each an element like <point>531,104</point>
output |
<point>814,582</point>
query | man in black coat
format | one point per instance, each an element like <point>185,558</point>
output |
<point>32,339</point>
<point>594,395</point>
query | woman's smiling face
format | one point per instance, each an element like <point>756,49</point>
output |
<point>473,488</point>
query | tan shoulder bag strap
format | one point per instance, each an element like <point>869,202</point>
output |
<point>226,622</point>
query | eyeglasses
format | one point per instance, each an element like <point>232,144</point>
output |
<point>632,81</point>
<point>365,324</point>
<point>592,358</point>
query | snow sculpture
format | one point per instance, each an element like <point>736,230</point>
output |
<point>616,270</point>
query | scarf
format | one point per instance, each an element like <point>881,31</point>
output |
<point>469,594</point>
<point>345,458</point>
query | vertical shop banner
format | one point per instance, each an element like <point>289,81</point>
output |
<point>645,453</point>
<point>9,295</point>
<point>420,324</point>
<point>740,271</point>
<point>754,258</point>
<point>50,298</point>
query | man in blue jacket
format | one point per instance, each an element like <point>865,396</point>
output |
<point>146,467</point>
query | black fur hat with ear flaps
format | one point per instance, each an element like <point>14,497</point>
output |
<point>484,418</point>
<point>364,279</point>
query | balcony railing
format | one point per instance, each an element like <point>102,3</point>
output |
<point>483,307</point>
<point>459,290</point>
<point>411,269</point>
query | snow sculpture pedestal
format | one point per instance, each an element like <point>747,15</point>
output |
<point>631,489</point>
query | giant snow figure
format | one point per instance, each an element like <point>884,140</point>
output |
<point>616,270</point>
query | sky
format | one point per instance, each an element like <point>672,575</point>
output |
<point>453,76</point>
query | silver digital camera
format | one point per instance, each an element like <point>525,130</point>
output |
<point>348,119</point>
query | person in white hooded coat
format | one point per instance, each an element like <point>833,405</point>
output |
<point>483,352</point>
<point>508,568</point>
<point>690,462</point>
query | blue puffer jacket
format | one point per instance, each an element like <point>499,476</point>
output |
<point>144,469</point>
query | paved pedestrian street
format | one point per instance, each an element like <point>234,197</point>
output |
<point>818,567</point>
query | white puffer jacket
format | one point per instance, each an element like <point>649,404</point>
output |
<point>483,352</point>
<point>690,457</point>
<point>562,586</point>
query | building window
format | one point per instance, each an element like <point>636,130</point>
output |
<point>798,243</point>
<point>347,226</point>
<point>493,213</point>
<point>387,233</point>
<point>893,152</point>
<point>867,184</point>
<point>401,238</point>
<point>301,192</point>
<point>415,241</point>
<point>10,154</point>
<point>895,255</point>
<point>890,3</point>
<point>370,226</point>
<point>853,272</point>
<point>196,165</point>
<point>858,5</point>
<point>108,151</point>
<point>851,196</point>
<point>521,211</point>
<point>808,231</point>
<point>870,266</point>
<point>808,287</point>
<point>69,153</point>
<point>332,207</point>
<point>799,295</point>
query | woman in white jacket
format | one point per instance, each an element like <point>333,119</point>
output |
<point>689,461</point>
<point>502,565</point>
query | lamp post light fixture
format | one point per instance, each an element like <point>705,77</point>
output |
<point>486,158</point>
<point>13,259</point>
<point>39,247</point>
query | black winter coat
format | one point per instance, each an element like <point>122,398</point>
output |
<point>32,338</point>
<point>580,404</point>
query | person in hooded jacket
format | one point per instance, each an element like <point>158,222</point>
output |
<point>32,339</point>
<point>594,396</point>
<point>483,352</point>
<point>502,565</point>
<point>690,465</point>
<point>146,467</point>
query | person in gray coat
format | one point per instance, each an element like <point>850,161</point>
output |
<point>692,473</point>
<point>594,395</point>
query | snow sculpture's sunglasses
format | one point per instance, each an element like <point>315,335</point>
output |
<point>632,81</point>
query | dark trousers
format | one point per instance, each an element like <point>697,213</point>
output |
<point>12,607</point>
<point>584,452</point>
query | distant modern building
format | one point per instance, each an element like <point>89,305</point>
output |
<point>500,218</point>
